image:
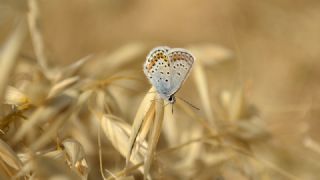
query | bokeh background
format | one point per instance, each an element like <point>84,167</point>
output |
<point>268,48</point>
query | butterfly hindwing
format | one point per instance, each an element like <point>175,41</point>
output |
<point>181,64</point>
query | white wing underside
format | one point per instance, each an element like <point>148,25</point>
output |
<point>168,72</point>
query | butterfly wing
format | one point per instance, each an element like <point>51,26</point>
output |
<point>181,62</point>
<point>157,70</point>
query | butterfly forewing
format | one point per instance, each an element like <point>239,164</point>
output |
<point>157,70</point>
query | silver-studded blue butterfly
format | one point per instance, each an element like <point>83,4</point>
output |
<point>167,69</point>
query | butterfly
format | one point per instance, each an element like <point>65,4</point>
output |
<point>167,68</point>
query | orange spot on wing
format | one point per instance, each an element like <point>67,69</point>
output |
<point>156,57</point>
<point>152,63</point>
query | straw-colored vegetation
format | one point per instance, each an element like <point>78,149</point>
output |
<point>98,118</point>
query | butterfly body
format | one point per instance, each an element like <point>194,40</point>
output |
<point>167,69</point>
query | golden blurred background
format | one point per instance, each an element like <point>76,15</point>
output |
<point>269,48</point>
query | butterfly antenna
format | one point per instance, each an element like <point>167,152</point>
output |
<point>189,103</point>
<point>172,108</point>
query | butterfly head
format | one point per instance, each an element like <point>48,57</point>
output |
<point>172,99</point>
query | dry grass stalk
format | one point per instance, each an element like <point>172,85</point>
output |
<point>36,36</point>
<point>74,68</point>
<point>147,105</point>
<point>61,86</point>
<point>9,54</point>
<point>118,133</point>
<point>10,162</point>
<point>52,108</point>
<point>55,126</point>
<point>116,60</point>
<point>202,86</point>
<point>149,118</point>
<point>76,156</point>
<point>154,135</point>
<point>211,54</point>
